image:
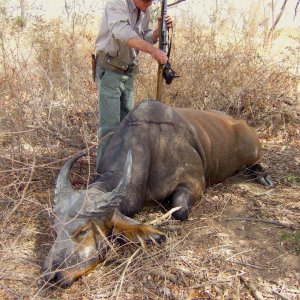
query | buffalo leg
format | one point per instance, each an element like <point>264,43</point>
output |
<point>185,198</point>
<point>127,229</point>
<point>258,173</point>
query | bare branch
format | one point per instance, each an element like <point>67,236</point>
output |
<point>296,8</point>
<point>278,18</point>
<point>289,226</point>
<point>23,194</point>
<point>255,293</point>
<point>164,217</point>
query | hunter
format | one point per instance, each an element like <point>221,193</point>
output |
<point>124,31</point>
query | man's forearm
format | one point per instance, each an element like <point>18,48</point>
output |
<point>140,44</point>
<point>155,35</point>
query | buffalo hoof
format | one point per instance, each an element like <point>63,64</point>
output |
<point>265,180</point>
<point>158,238</point>
<point>181,214</point>
<point>257,173</point>
<point>150,237</point>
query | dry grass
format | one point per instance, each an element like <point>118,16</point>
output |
<point>206,257</point>
<point>49,113</point>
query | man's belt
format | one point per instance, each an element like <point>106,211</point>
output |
<point>114,64</point>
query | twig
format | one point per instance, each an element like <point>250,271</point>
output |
<point>238,289</point>
<point>255,293</point>
<point>58,136</point>
<point>239,253</point>
<point>16,132</point>
<point>229,198</point>
<point>163,217</point>
<point>216,282</point>
<point>276,258</point>
<point>5,288</point>
<point>86,284</point>
<point>164,275</point>
<point>277,18</point>
<point>123,274</point>
<point>245,264</point>
<point>104,237</point>
<point>280,295</point>
<point>211,282</point>
<point>273,222</point>
<point>170,225</point>
<point>44,165</point>
<point>292,291</point>
<point>23,194</point>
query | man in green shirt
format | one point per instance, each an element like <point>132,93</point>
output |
<point>124,32</point>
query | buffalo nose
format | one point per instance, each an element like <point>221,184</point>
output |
<point>57,278</point>
<point>49,276</point>
<point>49,273</point>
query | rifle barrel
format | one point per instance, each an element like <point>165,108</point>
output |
<point>163,47</point>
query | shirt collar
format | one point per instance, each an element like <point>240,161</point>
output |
<point>131,6</point>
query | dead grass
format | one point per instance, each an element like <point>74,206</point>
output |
<point>49,113</point>
<point>207,257</point>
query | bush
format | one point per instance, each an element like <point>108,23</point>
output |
<point>50,98</point>
<point>49,101</point>
<point>233,72</point>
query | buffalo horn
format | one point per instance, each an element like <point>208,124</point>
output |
<point>126,177</point>
<point>116,196</point>
<point>63,182</point>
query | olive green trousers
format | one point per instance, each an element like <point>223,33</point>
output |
<point>115,100</point>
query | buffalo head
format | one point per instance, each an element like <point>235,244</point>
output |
<point>82,221</point>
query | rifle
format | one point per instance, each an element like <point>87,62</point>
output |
<point>164,71</point>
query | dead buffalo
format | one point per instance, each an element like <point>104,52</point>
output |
<point>168,153</point>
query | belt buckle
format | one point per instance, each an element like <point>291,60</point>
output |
<point>131,69</point>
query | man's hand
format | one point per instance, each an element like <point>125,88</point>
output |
<point>160,56</point>
<point>156,32</point>
<point>169,22</point>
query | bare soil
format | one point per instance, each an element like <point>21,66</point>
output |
<point>228,249</point>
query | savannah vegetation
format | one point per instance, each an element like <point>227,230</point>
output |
<point>242,63</point>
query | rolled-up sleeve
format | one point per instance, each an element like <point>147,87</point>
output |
<point>119,23</point>
<point>147,36</point>
<point>146,30</point>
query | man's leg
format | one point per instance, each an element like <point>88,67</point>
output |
<point>110,89</point>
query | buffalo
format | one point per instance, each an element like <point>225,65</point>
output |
<point>157,153</point>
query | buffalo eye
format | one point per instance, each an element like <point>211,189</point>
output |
<point>82,233</point>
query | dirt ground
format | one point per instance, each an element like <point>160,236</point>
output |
<point>241,242</point>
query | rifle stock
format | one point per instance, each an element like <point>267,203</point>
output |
<point>159,82</point>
